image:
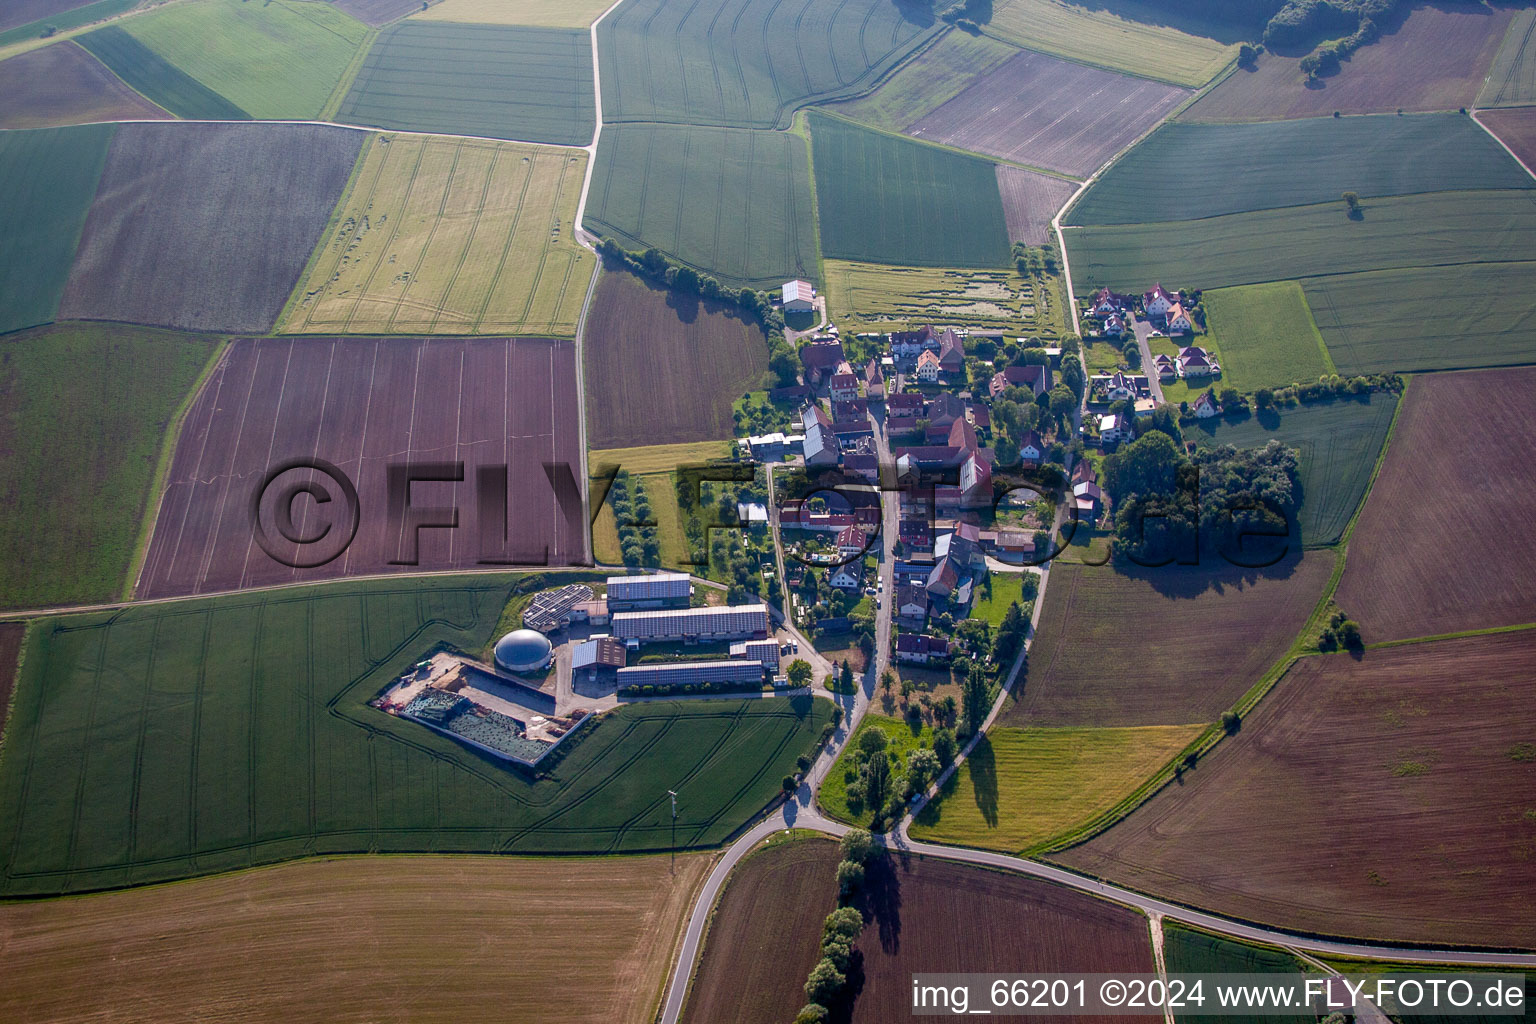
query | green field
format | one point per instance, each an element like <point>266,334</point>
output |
<point>1442,229</point>
<point>901,740</point>
<point>1021,787</point>
<point>496,81</point>
<point>81,434</point>
<point>748,63</point>
<point>1189,171</point>
<point>1437,318</point>
<point>885,199</point>
<point>67,20</point>
<point>929,80</point>
<point>201,736</point>
<point>153,76</point>
<point>1267,337</point>
<point>1512,78</point>
<point>1189,950</point>
<point>659,458</point>
<point>50,177</point>
<point>1149,48</point>
<point>1339,442</point>
<point>672,542</point>
<point>734,204</point>
<point>274,59</point>
<point>879,297</point>
<point>993,598</point>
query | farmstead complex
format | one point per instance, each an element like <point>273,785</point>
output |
<point>764,511</point>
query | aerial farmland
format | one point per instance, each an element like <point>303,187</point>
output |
<point>765,511</point>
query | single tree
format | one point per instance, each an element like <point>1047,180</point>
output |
<point>856,845</point>
<point>825,982</point>
<point>922,768</point>
<point>944,745</point>
<point>800,672</point>
<point>811,1013</point>
<point>850,876</point>
<point>973,700</point>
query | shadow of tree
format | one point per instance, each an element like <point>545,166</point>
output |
<point>880,901</point>
<point>983,765</point>
<point>918,12</point>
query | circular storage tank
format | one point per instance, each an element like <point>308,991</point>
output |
<point>523,650</point>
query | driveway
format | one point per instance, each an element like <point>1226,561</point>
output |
<point>1144,331</point>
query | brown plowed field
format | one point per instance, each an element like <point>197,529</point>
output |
<point>1435,60</point>
<point>1389,798</point>
<point>365,404</point>
<point>1030,200</point>
<point>361,939</point>
<point>62,84</point>
<point>1050,113</point>
<point>1447,539</point>
<point>1516,126</point>
<point>206,226</point>
<point>11,635</point>
<point>1168,646</point>
<point>920,916</point>
<point>662,368</point>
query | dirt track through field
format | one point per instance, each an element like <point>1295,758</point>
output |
<point>1390,798</point>
<point>365,405</point>
<point>11,635</point>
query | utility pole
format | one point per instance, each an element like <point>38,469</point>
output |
<point>673,795</point>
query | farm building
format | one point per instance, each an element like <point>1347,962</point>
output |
<point>798,296</point>
<point>660,590</point>
<point>523,650</point>
<point>551,609</point>
<point>675,672</point>
<point>764,652</point>
<point>693,625</point>
<point>595,656</point>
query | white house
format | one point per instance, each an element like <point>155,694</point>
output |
<point>1113,429</point>
<point>798,296</point>
<point>928,366</point>
<point>1179,321</point>
<point>847,577</point>
<point>1032,448</point>
<point>1205,406</point>
<point>1195,361</point>
<point>1158,301</point>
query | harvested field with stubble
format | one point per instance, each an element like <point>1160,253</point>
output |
<point>451,236</point>
<point>920,914</point>
<point>1435,60</point>
<point>1512,78</point>
<point>206,226</point>
<point>1020,787</point>
<point>1516,127</point>
<point>364,405</point>
<point>61,85</point>
<point>873,296</point>
<point>1051,113</point>
<point>171,740</point>
<point>496,81</point>
<point>1405,789</point>
<point>1447,540</point>
<point>1167,646</point>
<point>1030,202</point>
<point>305,942</point>
<point>637,337</point>
<point>1097,33</point>
<point>941,71</point>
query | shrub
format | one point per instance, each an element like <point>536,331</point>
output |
<point>825,982</point>
<point>850,876</point>
<point>811,1013</point>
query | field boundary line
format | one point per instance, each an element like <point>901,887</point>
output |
<point>20,47</point>
<point>1047,51</point>
<point>332,106</point>
<point>1464,634</point>
<point>154,500</point>
<point>577,229</point>
<point>1495,136</point>
<point>10,704</point>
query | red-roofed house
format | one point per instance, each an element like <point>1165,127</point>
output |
<point>821,359</point>
<point>951,352</point>
<point>1206,406</point>
<point>1036,378</point>
<point>1032,449</point>
<point>928,367</point>
<point>1179,321</point>
<point>1194,361</point>
<point>874,381</point>
<point>851,541</point>
<point>920,649</point>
